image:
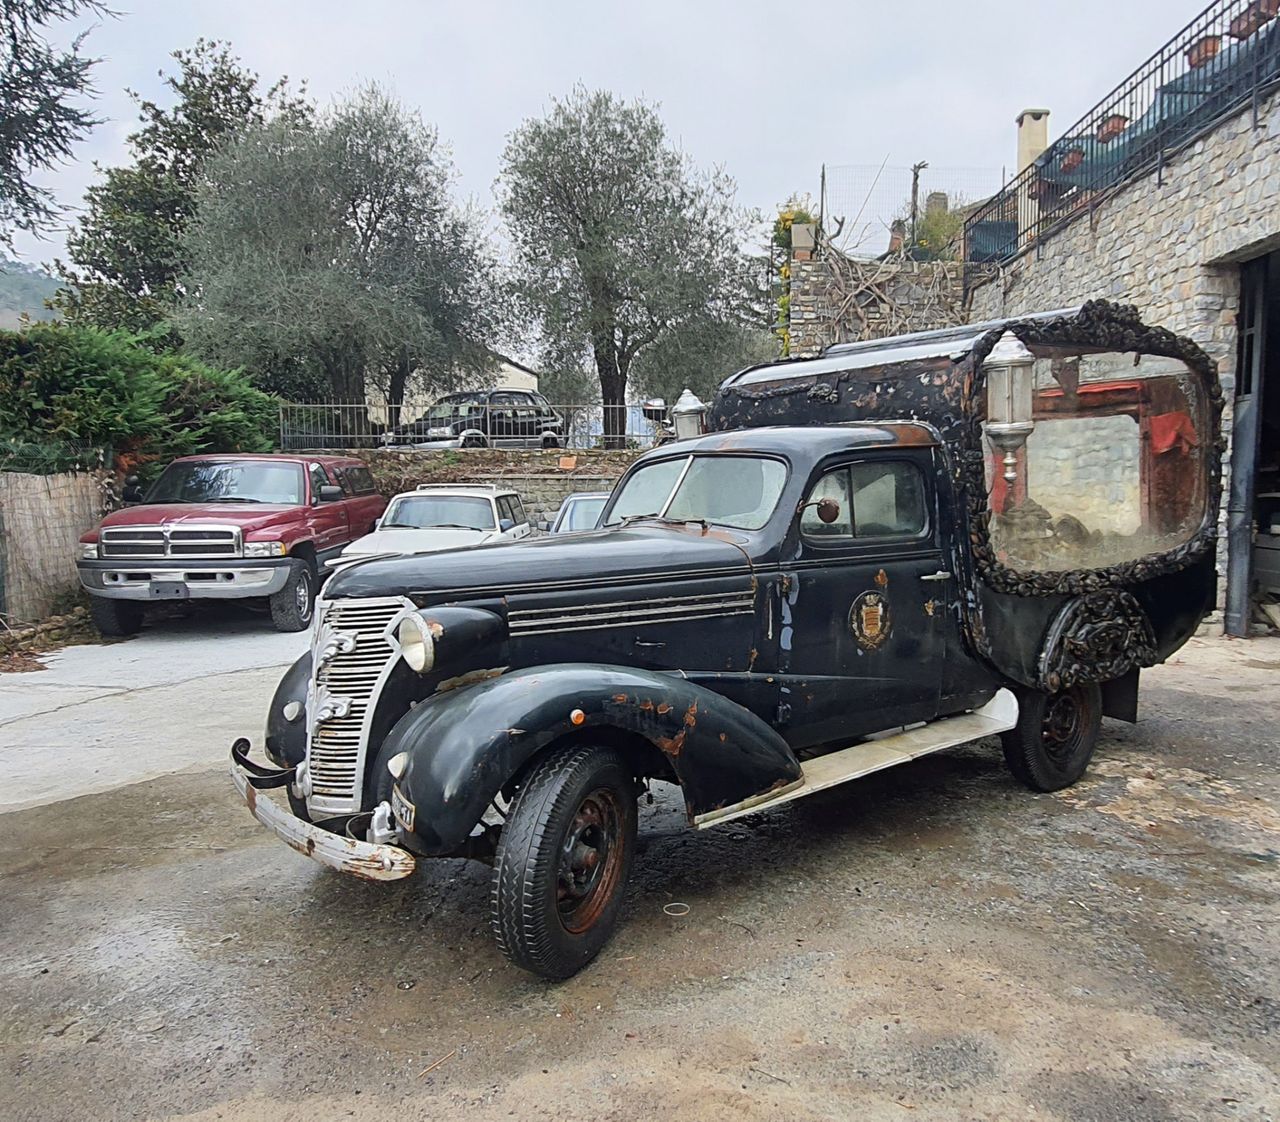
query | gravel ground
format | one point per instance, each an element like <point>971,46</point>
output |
<point>933,942</point>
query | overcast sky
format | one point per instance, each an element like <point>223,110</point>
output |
<point>770,91</point>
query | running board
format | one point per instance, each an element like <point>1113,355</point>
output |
<point>998,715</point>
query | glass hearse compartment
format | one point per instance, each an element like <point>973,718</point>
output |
<point>888,550</point>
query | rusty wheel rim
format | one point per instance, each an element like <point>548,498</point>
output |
<point>590,864</point>
<point>1062,728</point>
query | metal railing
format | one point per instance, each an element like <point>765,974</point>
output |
<point>337,426</point>
<point>1225,59</point>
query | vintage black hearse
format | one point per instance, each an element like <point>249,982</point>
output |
<point>894,548</point>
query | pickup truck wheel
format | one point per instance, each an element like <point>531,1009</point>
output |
<point>115,617</point>
<point>1055,736</point>
<point>292,606</point>
<point>561,869</point>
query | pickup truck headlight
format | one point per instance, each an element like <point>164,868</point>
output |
<point>264,549</point>
<point>89,551</point>
<point>440,432</point>
<point>417,644</point>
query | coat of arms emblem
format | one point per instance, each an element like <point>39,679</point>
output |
<point>869,620</point>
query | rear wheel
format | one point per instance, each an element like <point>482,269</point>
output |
<point>292,606</point>
<point>115,617</point>
<point>473,441</point>
<point>1055,736</point>
<point>562,864</point>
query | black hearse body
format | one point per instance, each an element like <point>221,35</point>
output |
<point>893,548</point>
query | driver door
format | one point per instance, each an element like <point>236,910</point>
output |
<point>863,603</point>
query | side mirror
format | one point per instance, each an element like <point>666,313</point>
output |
<point>330,493</point>
<point>544,526</point>
<point>131,495</point>
<point>828,510</point>
<point>506,524</point>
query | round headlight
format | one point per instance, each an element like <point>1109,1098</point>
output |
<point>416,644</point>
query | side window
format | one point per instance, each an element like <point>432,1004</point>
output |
<point>504,508</point>
<point>888,500</point>
<point>833,485</point>
<point>517,510</point>
<point>318,479</point>
<point>878,499</point>
<point>361,480</point>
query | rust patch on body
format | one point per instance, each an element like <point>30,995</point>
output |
<point>620,698</point>
<point>672,745</point>
<point>664,708</point>
<point>882,579</point>
<point>470,679</point>
<point>435,627</point>
<point>930,606</point>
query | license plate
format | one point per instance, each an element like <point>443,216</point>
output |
<point>403,809</point>
<point>169,590</point>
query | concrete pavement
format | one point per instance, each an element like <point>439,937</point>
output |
<point>172,698</point>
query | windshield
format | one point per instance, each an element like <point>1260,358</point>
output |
<point>738,491</point>
<point>446,410</point>
<point>230,481</point>
<point>582,514</point>
<point>418,512</point>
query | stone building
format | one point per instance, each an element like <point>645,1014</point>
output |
<point>1167,196</point>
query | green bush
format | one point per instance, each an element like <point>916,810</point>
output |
<point>108,388</point>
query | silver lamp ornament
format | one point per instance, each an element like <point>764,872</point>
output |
<point>688,415</point>
<point>1010,370</point>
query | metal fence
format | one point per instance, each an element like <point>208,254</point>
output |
<point>1225,59</point>
<point>324,426</point>
<point>51,457</point>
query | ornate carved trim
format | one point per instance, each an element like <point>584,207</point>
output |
<point>1095,638</point>
<point>1112,327</point>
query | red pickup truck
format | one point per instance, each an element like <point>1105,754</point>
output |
<point>228,528</point>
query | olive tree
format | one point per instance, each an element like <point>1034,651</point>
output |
<point>620,245</point>
<point>328,253</point>
<point>125,253</point>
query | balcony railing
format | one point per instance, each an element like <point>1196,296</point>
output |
<point>1225,59</point>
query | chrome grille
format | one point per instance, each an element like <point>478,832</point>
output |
<point>170,541</point>
<point>335,760</point>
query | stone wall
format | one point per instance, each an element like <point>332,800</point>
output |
<point>836,299</point>
<point>543,479</point>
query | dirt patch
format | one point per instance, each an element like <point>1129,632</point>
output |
<point>21,646</point>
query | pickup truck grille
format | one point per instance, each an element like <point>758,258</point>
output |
<point>352,680</point>
<point>169,541</point>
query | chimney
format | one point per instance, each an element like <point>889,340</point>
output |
<point>897,235</point>
<point>936,202</point>
<point>1033,136</point>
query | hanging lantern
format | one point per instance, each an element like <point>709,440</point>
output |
<point>1010,370</point>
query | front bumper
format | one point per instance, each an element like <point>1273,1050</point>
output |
<point>178,579</point>
<point>347,855</point>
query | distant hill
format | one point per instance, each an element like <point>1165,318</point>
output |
<point>24,288</point>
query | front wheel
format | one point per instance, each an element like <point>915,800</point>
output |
<point>562,864</point>
<point>115,618</point>
<point>1055,736</point>
<point>292,606</point>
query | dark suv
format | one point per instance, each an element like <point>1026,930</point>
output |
<point>487,419</point>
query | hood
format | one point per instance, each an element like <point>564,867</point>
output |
<point>593,558</point>
<point>248,516</point>
<point>430,539</point>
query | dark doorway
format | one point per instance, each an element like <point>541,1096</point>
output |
<point>1253,504</point>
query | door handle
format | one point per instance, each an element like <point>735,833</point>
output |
<point>941,574</point>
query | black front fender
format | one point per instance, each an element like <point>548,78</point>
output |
<point>286,739</point>
<point>464,745</point>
